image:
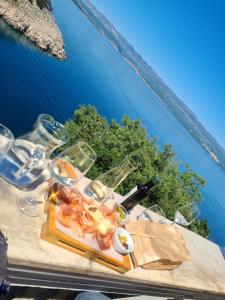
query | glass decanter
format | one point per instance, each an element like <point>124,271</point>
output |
<point>103,186</point>
<point>6,140</point>
<point>27,158</point>
<point>47,133</point>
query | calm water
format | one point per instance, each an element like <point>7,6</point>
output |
<point>94,73</point>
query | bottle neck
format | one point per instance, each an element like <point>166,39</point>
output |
<point>149,185</point>
<point>139,193</point>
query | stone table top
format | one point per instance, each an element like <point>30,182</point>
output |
<point>204,272</point>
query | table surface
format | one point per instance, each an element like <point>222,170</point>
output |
<point>204,272</point>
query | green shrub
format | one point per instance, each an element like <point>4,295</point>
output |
<point>113,141</point>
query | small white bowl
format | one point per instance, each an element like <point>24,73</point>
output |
<point>118,246</point>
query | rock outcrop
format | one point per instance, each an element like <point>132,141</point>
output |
<point>38,24</point>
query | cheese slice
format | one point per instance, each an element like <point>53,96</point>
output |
<point>103,225</point>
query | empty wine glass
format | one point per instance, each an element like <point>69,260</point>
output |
<point>66,169</point>
<point>187,214</point>
<point>145,215</point>
<point>184,215</point>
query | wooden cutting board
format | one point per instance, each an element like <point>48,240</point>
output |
<point>55,233</point>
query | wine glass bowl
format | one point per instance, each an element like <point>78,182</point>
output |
<point>187,214</point>
<point>66,169</point>
<point>72,164</point>
<point>158,210</point>
<point>145,215</point>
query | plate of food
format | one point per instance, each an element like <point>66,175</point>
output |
<point>83,223</point>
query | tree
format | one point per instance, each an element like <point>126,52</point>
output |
<point>113,141</point>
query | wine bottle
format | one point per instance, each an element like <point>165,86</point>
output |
<point>139,193</point>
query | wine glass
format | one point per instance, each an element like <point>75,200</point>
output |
<point>186,214</point>
<point>154,208</point>
<point>72,164</point>
<point>66,169</point>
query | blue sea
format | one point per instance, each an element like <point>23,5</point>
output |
<point>32,82</point>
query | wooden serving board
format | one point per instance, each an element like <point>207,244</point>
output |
<point>55,233</point>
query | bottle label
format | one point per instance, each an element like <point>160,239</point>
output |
<point>130,193</point>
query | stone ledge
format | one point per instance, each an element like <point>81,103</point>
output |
<point>205,272</point>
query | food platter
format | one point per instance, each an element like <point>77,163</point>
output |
<point>86,244</point>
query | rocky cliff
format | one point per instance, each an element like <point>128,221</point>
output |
<point>36,22</point>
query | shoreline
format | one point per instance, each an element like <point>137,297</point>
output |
<point>37,24</point>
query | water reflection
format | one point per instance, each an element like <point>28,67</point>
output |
<point>10,34</point>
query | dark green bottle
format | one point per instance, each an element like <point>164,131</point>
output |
<point>140,193</point>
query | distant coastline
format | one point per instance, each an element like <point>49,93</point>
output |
<point>36,23</point>
<point>211,154</point>
<point>177,107</point>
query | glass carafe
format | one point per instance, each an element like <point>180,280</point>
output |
<point>102,187</point>
<point>26,160</point>
<point>6,140</point>
<point>47,133</point>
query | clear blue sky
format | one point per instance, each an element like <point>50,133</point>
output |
<point>184,42</point>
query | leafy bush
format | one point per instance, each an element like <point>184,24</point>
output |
<point>113,141</point>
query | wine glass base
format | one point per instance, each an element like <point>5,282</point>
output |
<point>29,205</point>
<point>144,216</point>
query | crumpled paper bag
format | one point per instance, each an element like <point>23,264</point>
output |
<point>166,250</point>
